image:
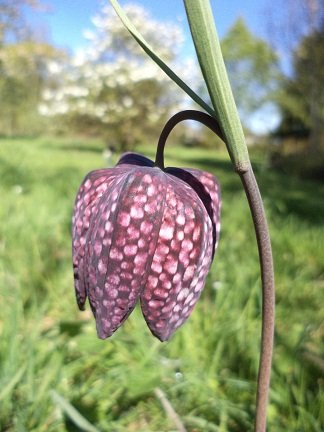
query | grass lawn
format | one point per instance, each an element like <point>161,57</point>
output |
<point>55,375</point>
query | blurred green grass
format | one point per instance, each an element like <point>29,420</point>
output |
<point>51,360</point>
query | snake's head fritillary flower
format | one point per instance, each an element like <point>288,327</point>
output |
<point>140,232</point>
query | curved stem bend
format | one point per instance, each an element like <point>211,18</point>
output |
<point>265,255</point>
<point>199,116</point>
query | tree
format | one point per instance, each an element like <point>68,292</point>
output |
<point>23,71</point>
<point>23,76</point>
<point>111,88</point>
<point>252,68</point>
<point>12,21</point>
<point>302,98</point>
<point>288,25</point>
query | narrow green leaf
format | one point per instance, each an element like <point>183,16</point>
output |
<point>151,53</point>
<point>73,413</point>
<point>12,383</point>
<point>211,61</point>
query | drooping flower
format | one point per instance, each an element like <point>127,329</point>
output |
<point>142,232</point>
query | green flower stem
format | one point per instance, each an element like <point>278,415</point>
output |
<point>211,61</point>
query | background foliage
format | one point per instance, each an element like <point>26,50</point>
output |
<point>43,88</point>
<point>58,114</point>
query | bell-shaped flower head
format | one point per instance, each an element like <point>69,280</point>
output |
<point>142,231</point>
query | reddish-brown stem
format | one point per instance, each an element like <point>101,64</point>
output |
<point>268,295</point>
<point>265,255</point>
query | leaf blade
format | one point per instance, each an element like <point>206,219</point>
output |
<point>155,57</point>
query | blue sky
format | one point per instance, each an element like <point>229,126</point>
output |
<point>66,19</point>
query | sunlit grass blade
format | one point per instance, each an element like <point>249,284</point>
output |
<point>73,413</point>
<point>12,383</point>
<point>156,58</point>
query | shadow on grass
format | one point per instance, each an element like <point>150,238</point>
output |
<point>285,194</point>
<point>88,411</point>
<point>79,147</point>
<point>210,163</point>
<point>288,195</point>
<point>12,175</point>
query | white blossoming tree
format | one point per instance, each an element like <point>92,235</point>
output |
<point>111,88</point>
